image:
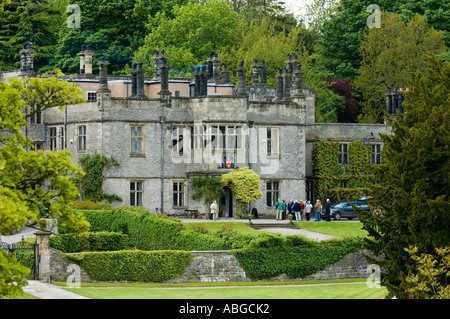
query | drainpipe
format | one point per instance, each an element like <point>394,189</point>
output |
<point>161,121</point>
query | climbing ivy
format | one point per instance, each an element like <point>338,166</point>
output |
<point>329,174</point>
<point>242,181</point>
<point>91,184</point>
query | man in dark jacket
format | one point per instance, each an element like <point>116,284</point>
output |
<point>296,210</point>
<point>328,210</point>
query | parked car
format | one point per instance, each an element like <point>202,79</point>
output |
<point>346,210</point>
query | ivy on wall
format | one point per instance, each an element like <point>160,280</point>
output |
<point>329,174</point>
<point>91,184</point>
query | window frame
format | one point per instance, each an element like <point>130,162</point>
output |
<point>343,157</point>
<point>81,138</point>
<point>273,143</point>
<point>134,193</point>
<point>179,193</point>
<point>274,193</point>
<point>138,140</point>
<point>376,154</point>
<point>52,138</point>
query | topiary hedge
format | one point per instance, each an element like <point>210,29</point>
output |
<point>132,265</point>
<point>102,241</point>
<point>294,258</point>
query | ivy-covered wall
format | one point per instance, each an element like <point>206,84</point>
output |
<point>330,175</point>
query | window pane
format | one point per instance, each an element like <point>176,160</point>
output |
<point>139,199</point>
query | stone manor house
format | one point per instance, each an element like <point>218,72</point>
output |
<point>165,131</point>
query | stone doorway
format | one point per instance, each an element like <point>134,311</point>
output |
<point>226,203</point>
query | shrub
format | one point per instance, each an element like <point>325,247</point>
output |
<point>132,265</point>
<point>294,261</point>
<point>102,241</point>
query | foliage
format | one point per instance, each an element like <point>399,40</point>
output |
<point>132,265</point>
<point>13,275</point>
<point>190,33</point>
<point>28,21</point>
<point>388,55</point>
<point>263,41</point>
<point>347,112</point>
<point>327,170</point>
<point>245,184</point>
<point>99,241</point>
<point>84,204</point>
<point>115,28</point>
<point>413,185</point>
<point>92,181</point>
<point>329,174</point>
<point>208,188</point>
<point>432,278</point>
<point>23,173</point>
<point>295,260</point>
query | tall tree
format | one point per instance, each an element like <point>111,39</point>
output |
<point>196,30</point>
<point>28,21</point>
<point>412,195</point>
<point>24,173</point>
<point>115,28</point>
<point>388,55</point>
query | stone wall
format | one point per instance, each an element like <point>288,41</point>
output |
<point>222,266</point>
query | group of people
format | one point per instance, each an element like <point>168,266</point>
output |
<point>301,210</point>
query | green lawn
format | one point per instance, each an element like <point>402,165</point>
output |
<point>321,291</point>
<point>339,229</point>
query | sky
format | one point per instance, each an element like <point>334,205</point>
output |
<point>298,7</point>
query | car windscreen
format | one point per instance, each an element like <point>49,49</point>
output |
<point>340,205</point>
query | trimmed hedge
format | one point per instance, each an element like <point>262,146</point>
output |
<point>132,265</point>
<point>102,241</point>
<point>294,261</point>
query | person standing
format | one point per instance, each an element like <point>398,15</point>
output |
<point>279,208</point>
<point>214,209</point>
<point>328,210</point>
<point>318,210</point>
<point>283,214</point>
<point>308,209</point>
<point>302,210</point>
<point>297,210</point>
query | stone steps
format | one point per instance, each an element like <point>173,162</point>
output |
<point>272,225</point>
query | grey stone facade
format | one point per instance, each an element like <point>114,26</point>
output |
<point>163,132</point>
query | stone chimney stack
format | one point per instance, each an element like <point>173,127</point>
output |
<point>287,84</point>
<point>197,82</point>
<point>225,73</point>
<point>133,81</point>
<point>298,76</point>
<point>216,66</point>
<point>203,81</point>
<point>27,57</point>
<point>103,93</point>
<point>263,73</point>
<point>256,71</point>
<point>157,62</point>
<point>279,84</point>
<point>209,63</point>
<point>241,90</point>
<point>164,67</point>
<point>140,92</point>
<point>86,60</point>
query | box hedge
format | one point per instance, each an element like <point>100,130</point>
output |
<point>132,265</point>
